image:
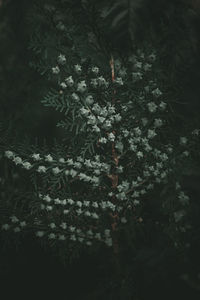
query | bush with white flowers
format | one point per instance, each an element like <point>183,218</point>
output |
<point>116,155</point>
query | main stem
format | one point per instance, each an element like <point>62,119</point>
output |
<point>114,179</point>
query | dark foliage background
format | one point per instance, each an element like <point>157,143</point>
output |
<point>155,269</point>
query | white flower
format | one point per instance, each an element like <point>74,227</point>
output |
<point>55,70</point>
<point>95,70</point>
<point>49,158</point>
<point>14,219</point>
<point>78,69</point>
<point>72,228</point>
<point>65,211</point>
<point>5,226</point>
<point>61,160</point>
<point>63,85</point>
<point>151,134</point>
<point>147,67</point>
<point>139,154</point>
<point>94,82</point>
<point>9,154</point>
<point>158,122</point>
<point>94,216</point>
<point>36,156</point>
<point>95,204</point>
<point>27,165</point>
<point>42,206</point>
<point>103,140</point>
<point>79,203</point>
<point>111,137</point>
<point>49,208</point>
<point>63,225</point>
<point>87,214</point>
<point>47,198</point>
<point>136,76</point>
<point>102,81</point>
<point>178,215</point>
<point>152,57</point>
<point>108,242</point>
<point>196,131</point>
<point>56,170</point>
<point>39,233</point>
<point>157,92</point>
<point>41,169</point>
<point>61,59</point>
<point>183,140</point>
<point>62,237</point>
<point>84,111</point>
<point>98,236</point>
<point>70,201</point>
<point>86,203</point>
<point>88,243</point>
<point>152,107</point>
<point>107,232</point>
<point>52,225</point>
<point>69,80</point>
<point>17,160</point>
<point>119,81</point>
<point>52,236</point>
<point>162,105</point>
<point>17,229</point>
<point>57,201</point>
<point>23,223</point>
<point>73,237</point>
<point>89,100</point>
<point>75,97</point>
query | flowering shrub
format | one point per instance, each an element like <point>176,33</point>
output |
<point>117,150</point>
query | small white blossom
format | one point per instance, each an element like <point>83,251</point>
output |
<point>123,220</point>
<point>42,169</point>
<point>152,107</point>
<point>55,70</point>
<point>75,97</point>
<point>103,140</point>
<point>63,85</point>
<point>63,225</point>
<point>5,226</point>
<point>56,170</point>
<point>39,233</point>
<point>36,156</point>
<point>49,208</point>
<point>95,70</point>
<point>23,223</point>
<point>162,105</point>
<point>69,80</point>
<point>81,87</point>
<point>17,160</point>
<point>78,69</point>
<point>14,219</point>
<point>89,100</point>
<point>17,229</point>
<point>62,237</point>
<point>157,92</point>
<point>48,158</point>
<point>119,81</point>
<point>52,225</point>
<point>27,165</point>
<point>61,59</point>
<point>111,137</point>
<point>183,140</point>
<point>52,236</point>
<point>9,154</point>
